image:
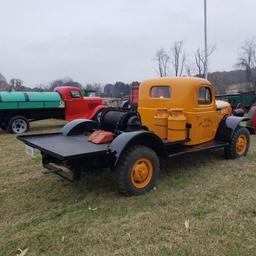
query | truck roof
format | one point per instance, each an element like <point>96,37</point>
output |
<point>178,81</point>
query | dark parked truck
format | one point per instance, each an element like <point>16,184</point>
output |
<point>17,109</point>
<point>175,116</point>
<point>243,103</point>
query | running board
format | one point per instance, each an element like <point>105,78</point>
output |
<point>198,148</point>
<point>68,175</point>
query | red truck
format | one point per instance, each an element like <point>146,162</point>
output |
<point>17,109</point>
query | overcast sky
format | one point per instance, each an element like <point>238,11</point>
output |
<point>114,40</point>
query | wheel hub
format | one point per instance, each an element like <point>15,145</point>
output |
<point>141,173</point>
<point>19,126</point>
<point>241,144</point>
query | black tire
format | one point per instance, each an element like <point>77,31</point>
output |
<point>18,124</point>
<point>125,171</point>
<point>3,127</point>
<point>97,116</point>
<point>231,151</point>
<point>125,104</point>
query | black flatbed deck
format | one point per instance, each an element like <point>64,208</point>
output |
<point>77,146</point>
<point>64,147</point>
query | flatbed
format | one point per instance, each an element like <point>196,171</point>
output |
<point>64,147</point>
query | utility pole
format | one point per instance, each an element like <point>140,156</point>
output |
<point>205,40</point>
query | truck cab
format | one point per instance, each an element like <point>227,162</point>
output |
<point>78,106</point>
<point>182,109</point>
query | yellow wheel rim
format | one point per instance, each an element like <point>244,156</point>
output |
<point>142,172</point>
<point>241,144</point>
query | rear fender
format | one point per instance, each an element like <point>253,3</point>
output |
<point>79,126</point>
<point>228,125</point>
<point>127,139</point>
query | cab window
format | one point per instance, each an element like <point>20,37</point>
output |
<point>204,96</point>
<point>160,92</point>
<point>75,94</point>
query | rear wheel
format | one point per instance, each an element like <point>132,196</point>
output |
<point>18,124</point>
<point>239,144</point>
<point>137,171</point>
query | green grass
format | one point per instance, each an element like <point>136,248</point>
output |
<point>51,216</point>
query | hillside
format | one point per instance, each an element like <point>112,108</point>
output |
<point>221,80</point>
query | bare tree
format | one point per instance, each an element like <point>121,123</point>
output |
<point>200,61</point>
<point>189,69</point>
<point>247,58</point>
<point>178,57</point>
<point>163,60</point>
<point>4,86</point>
<point>97,87</point>
<point>16,84</point>
<point>67,81</point>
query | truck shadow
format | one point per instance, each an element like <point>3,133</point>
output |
<point>102,180</point>
<point>99,185</point>
<point>191,162</point>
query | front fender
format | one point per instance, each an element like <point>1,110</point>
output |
<point>228,125</point>
<point>127,139</point>
<point>95,110</point>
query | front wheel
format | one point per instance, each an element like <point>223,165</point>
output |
<point>97,116</point>
<point>18,124</point>
<point>239,144</point>
<point>137,171</point>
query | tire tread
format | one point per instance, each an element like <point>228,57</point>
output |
<point>230,150</point>
<point>122,180</point>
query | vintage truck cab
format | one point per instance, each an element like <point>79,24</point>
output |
<point>76,105</point>
<point>181,109</point>
<point>174,117</point>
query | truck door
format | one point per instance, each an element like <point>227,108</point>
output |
<point>76,106</point>
<point>204,119</point>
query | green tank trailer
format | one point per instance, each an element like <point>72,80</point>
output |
<point>26,100</point>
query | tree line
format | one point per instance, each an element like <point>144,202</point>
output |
<point>117,89</point>
<point>178,63</point>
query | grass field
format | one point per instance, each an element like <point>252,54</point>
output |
<point>50,216</point>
